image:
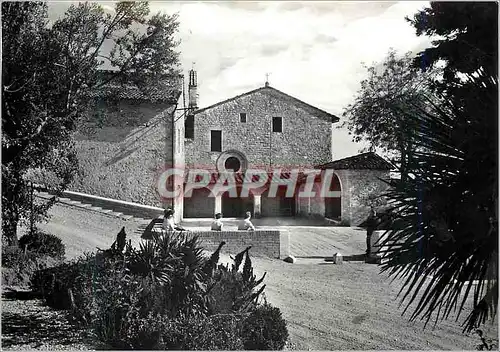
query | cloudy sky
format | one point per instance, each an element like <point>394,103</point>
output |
<point>312,50</point>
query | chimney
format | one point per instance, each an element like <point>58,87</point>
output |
<point>193,90</point>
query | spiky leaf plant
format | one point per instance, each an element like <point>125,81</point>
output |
<point>443,220</point>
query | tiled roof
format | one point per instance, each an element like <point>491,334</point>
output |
<point>365,161</point>
<point>167,90</point>
<point>280,95</point>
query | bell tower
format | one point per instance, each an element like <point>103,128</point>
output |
<point>192,90</point>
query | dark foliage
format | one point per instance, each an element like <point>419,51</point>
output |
<point>43,244</point>
<point>163,295</point>
<point>18,266</point>
<point>443,236</point>
<point>235,291</point>
<point>217,332</point>
<point>468,37</point>
<point>49,74</point>
<point>264,329</point>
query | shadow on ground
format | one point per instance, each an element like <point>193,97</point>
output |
<point>33,324</point>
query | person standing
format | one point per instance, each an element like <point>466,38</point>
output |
<point>217,223</point>
<point>246,224</point>
<point>371,225</point>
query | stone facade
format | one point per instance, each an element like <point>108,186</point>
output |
<point>304,141</point>
<point>356,189</point>
<point>364,184</point>
<point>129,142</point>
<point>255,139</point>
<point>124,146</point>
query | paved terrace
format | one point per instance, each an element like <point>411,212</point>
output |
<point>308,238</point>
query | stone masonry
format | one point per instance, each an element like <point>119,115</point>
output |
<point>305,140</point>
<point>123,158</point>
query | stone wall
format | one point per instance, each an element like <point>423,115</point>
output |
<point>123,158</point>
<point>264,242</point>
<point>362,185</point>
<point>199,205</point>
<point>356,187</point>
<point>305,140</point>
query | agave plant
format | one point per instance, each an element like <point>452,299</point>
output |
<point>443,220</point>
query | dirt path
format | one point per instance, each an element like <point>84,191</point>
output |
<point>350,306</point>
<point>28,324</point>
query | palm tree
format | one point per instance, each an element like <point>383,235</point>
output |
<point>443,219</point>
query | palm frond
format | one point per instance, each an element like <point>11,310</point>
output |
<point>443,235</point>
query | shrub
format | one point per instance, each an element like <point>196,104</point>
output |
<point>265,329</point>
<point>18,266</point>
<point>11,256</point>
<point>233,290</point>
<point>162,295</point>
<point>43,244</point>
<point>217,332</point>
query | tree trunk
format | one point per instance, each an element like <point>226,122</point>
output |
<point>11,189</point>
<point>9,229</point>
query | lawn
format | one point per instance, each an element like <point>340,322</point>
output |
<point>326,306</point>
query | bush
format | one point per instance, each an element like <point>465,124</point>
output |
<point>217,332</point>
<point>265,329</point>
<point>18,266</point>
<point>163,295</point>
<point>43,244</point>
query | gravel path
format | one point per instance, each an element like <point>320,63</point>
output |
<point>350,306</point>
<point>28,324</point>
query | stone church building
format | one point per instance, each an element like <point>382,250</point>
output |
<point>146,131</point>
<point>268,129</point>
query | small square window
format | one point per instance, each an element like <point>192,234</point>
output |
<point>277,124</point>
<point>216,141</point>
<point>243,117</point>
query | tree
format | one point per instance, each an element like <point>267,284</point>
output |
<point>48,75</point>
<point>370,117</point>
<point>468,40</point>
<point>443,237</point>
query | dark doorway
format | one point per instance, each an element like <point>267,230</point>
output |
<point>287,206</point>
<point>333,208</point>
<point>232,207</point>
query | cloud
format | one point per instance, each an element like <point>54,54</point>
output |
<point>323,38</point>
<point>227,62</point>
<point>269,49</point>
<point>350,10</point>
